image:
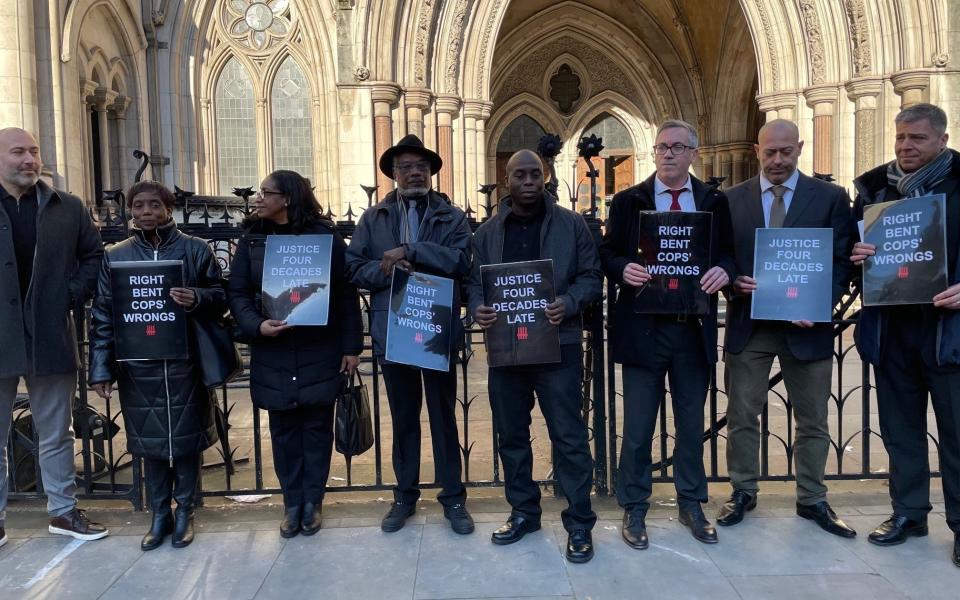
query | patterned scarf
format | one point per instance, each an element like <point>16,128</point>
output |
<point>924,179</point>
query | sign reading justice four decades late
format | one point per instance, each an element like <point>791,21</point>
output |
<point>419,321</point>
<point>147,323</point>
<point>910,266</point>
<point>793,268</point>
<point>296,278</point>
<point>675,249</point>
<point>520,292</point>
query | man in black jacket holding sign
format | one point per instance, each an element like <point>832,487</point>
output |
<point>651,347</point>
<point>915,349</point>
<point>781,196</point>
<point>530,225</point>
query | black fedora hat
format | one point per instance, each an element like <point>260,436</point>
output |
<point>410,143</point>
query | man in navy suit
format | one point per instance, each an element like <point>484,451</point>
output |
<point>652,347</point>
<point>781,196</point>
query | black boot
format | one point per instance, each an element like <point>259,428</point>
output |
<point>187,474</point>
<point>159,484</point>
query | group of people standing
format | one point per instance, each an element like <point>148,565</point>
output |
<point>297,372</point>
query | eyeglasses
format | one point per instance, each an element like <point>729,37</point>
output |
<point>407,167</point>
<point>678,148</point>
<point>263,193</point>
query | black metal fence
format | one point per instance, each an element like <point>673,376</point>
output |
<point>109,471</point>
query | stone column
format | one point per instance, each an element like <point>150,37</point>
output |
<point>210,179</point>
<point>103,100</point>
<point>384,95</point>
<point>485,111</point>
<point>473,111</point>
<point>778,106</point>
<point>823,101</point>
<point>19,105</point>
<point>418,102</point>
<point>264,142</point>
<point>864,93</point>
<point>87,100</point>
<point>706,163</point>
<point>726,168</point>
<point>912,86</point>
<point>118,111</point>
<point>739,166</point>
<point>448,106</point>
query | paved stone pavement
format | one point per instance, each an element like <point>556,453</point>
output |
<point>238,553</point>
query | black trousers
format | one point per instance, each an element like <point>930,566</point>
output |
<point>558,390</point>
<point>904,381</point>
<point>302,440</point>
<point>678,354</point>
<point>405,390</point>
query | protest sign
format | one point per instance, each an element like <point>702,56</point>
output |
<point>420,320</point>
<point>296,278</point>
<point>910,266</point>
<point>520,292</point>
<point>793,268</point>
<point>675,249</point>
<point>147,323</point>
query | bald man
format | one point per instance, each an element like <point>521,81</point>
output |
<point>781,196</point>
<point>530,225</point>
<point>50,254</point>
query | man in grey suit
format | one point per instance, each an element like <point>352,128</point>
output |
<point>781,196</point>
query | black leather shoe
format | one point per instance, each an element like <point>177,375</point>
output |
<point>733,509</point>
<point>513,530</point>
<point>956,549</point>
<point>579,546</point>
<point>896,530</point>
<point>460,520</point>
<point>290,525</point>
<point>634,530</point>
<point>823,515</point>
<point>699,526</point>
<point>397,516</point>
<point>182,527</point>
<point>311,518</point>
<point>160,528</point>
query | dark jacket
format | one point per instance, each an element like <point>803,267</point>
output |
<point>872,187</point>
<point>40,331</point>
<point>167,411</point>
<point>301,366</point>
<point>632,334</point>
<point>443,248</point>
<point>815,203</point>
<point>564,237</point>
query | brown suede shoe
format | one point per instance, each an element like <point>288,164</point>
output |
<point>76,524</point>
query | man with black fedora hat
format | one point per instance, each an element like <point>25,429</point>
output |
<point>415,228</point>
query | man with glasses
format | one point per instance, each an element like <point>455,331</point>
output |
<point>781,196</point>
<point>679,346</point>
<point>415,228</point>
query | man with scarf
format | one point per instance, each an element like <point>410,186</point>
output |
<point>415,228</point>
<point>915,349</point>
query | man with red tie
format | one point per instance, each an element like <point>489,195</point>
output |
<point>678,346</point>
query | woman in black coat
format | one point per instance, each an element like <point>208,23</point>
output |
<point>295,372</point>
<point>167,409</point>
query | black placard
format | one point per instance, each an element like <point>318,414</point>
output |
<point>910,266</point>
<point>793,268</point>
<point>520,292</point>
<point>675,249</point>
<point>420,319</point>
<point>296,278</point>
<point>147,323</point>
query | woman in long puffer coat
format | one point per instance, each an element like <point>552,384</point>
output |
<point>167,410</point>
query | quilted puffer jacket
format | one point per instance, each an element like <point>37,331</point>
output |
<point>167,410</point>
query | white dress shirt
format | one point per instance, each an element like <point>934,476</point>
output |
<point>766,194</point>
<point>664,199</point>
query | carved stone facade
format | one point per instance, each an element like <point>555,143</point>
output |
<point>343,80</point>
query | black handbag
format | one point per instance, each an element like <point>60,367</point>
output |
<point>354,425</point>
<point>220,361</point>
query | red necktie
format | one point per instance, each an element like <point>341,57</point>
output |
<point>675,198</point>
